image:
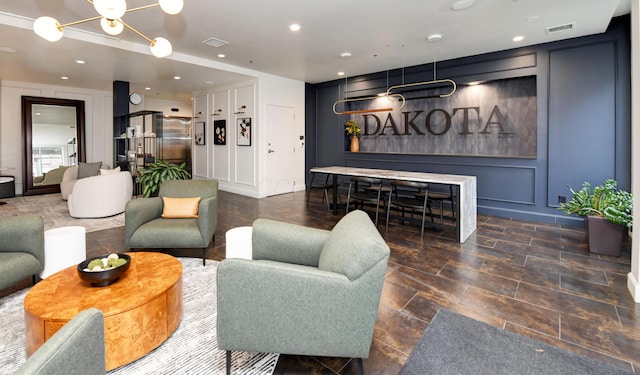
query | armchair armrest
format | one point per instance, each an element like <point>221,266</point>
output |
<point>138,212</point>
<point>23,234</point>
<point>78,347</point>
<point>296,309</point>
<point>289,243</point>
<point>70,174</point>
<point>208,218</point>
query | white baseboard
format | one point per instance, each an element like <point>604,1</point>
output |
<point>634,287</point>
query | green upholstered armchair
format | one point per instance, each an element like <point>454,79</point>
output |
<point>306,291</point>
<point>144,228</point>
<point>77,348</point>
<point>21,248</point>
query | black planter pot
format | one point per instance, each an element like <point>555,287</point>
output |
<point>604,236</point>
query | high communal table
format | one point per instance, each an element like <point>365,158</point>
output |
<point>466,197</point>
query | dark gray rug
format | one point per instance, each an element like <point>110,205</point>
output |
<point>455,344</point>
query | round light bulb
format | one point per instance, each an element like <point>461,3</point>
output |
<point>112,9</point>
<point>48,28</point>
<point>111,27</point>
<point>161,47</point>
<point>171,6</point>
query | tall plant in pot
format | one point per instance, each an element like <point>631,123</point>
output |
<point>152,176</point>
<point>608,212</point>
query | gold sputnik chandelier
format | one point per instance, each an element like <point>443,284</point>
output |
<point>111,12</point>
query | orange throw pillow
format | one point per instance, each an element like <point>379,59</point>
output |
<point>180,208</point>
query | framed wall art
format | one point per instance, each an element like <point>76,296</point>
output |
<point>199,134</point>
<point>220,132</point>
<point>244,131</point>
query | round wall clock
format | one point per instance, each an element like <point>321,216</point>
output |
<point>135,98</point>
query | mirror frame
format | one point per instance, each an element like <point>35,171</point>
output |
<point>27,132</point>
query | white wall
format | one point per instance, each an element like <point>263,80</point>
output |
<point>98,123</point>
<point>242,169</point>
<point>283,92</point>
<point>239,169</point>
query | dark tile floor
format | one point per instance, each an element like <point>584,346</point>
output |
<point>535,279</point>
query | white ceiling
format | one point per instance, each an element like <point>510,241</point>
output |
<point>380,35</point>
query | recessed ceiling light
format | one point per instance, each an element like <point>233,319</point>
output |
<point>532,18</point>
<point>340,73</point>
<point>209,82</point>
<point>222,55</point>
<point>434,37</point>
<point>80,62</point>
<point>64,77</point>
<point>294,27</point>
<point>345,55</point>
<point>462,4</point>
<point>518,38</point>
<point>177,77</point>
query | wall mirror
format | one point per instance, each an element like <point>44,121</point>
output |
<point>53,136</point>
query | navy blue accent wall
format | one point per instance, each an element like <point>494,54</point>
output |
<point>584,123</point>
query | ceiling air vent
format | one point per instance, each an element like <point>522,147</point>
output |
<point>559,28</point>
<point>215,42</point>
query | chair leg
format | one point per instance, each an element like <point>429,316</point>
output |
<point>204,255</point>
<point>326,196</point>
<point>360,366</point>
<point>228,362</point>
<point>424,214</point>
<point>386,225</point>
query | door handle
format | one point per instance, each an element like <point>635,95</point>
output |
<point>270,150</point>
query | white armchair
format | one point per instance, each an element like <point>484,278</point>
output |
<point>70,177</point>
<point>100,196</point>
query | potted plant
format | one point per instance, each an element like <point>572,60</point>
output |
<point>353,130</point>
<point>152,176</point>
<point>609,214</point>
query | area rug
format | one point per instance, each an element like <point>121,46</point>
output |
<point>455,344</point>
<point>55,212</point>
<point>191,349</point>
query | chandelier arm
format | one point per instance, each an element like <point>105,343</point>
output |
<point>142,7</point>
<point>387,109</point>
<point>151,41</point>
<point>60,27</point>
<point>450,81</point>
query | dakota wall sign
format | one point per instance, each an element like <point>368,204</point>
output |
<point>493,119</point>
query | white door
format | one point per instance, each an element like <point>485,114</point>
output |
<point>280,152</point>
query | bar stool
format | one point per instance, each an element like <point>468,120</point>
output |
<point>441,197</point>
<point>365,190</point>
<point>324,186</point>
<point>409,195</point>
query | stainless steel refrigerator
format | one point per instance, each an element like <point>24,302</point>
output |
<point>176,140</point>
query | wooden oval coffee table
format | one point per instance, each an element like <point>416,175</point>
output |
<point>141,310</point>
